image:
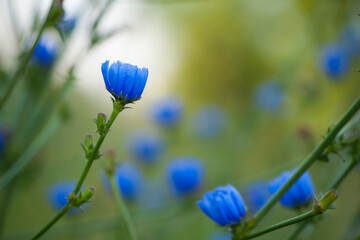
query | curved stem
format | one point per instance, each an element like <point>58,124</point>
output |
<point>53,221</point>
<point>114,114</point>
<point>306,164</point>
<point>130,228</point>
<point>285,223</point>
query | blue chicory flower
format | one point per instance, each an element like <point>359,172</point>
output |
<point>256,195</point>
<point>124,81</point>
<point>268,96</point>
<point>146,147</point>
<point>209,121</point>
<point>220,236</point>
<point>46,50</point>
<point>300,194</point>
<point>185,175</point>
<point>168,112</point>
<point>224,205</point>
<point>57,194</point>
<point>335,61</point>
<point>129,179</point>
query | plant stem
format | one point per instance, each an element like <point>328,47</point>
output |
<point>114,114</point>
<point>306,164</point>
<point>285,223</point>
<point>130,228</point>
<point>59,215</point>
<point>24,61</point>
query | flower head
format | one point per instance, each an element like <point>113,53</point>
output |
<point>168,112</point>
<point>124,81</point>
<point>209,121</point>
<point>224,205</point>
<point>58,194</point>
<point>146,147</point>
<point>129,179</point>
<point>268,96</point>
<point>185,174</point>
<point>256,195</point>
<point>335,61</point>
<point>300,194</point>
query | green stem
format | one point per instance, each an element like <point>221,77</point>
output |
<point>130,228</point>
<point>25,158</point>
<point>306,164</point>
<point>24,61</point>
<point>116,110</point>
<point>285,223</point>
<point>52,221</point>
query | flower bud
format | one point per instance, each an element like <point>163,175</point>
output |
<point>100,121</point>
<point>325,202</point>
<point>110,163</point>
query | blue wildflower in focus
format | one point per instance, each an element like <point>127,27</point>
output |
<point>185,174</point>
<point>256,195</point>
<point>146,147</point>
<point>224,205</point>
<point>220,236</point>
<point>209,121</point>
<point>129,179</point>
<point>335,61</point>
<point>268,96</point>
<point>168,112</point>
<point>57,194</point>
<point>300,194</point>
<point>46,50</point>
<point>124,81</point>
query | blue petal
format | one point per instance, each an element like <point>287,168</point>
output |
<point>139,84</point>
<point>113,76</point>
<point>105,71</point>
<point>129,72</point>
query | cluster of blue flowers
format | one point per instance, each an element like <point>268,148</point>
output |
<point>336,58</point>
<point>226,207</point>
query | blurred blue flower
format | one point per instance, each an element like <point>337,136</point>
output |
<point>350,38</point>
<point>67,24</point>
<point>154,194</point>
<point>129,179</point>
<point>300,194</point>
<point>168,112</point>
<point>209,121</point>
<point>57,194</point>
<point>185,174</point>
<point>224,205</point>
<point>268,96</point>
<point>256,195</point>
<point>2,142</point>
<point>220,236</point>
<point>46,50</point>
<point>335,61</point>
<point>146,147</point>
<point>123,80</point>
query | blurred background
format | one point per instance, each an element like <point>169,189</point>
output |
<point>245,88</point>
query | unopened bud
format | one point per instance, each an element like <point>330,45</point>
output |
<point>110,161</point>
<point>326,201</point>
<point>100,121</point>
